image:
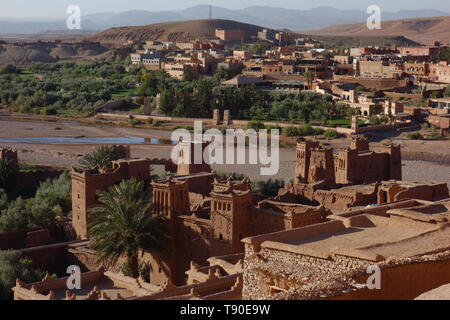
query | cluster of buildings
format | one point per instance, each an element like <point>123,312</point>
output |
<point>206,57</point>
<point>374,80</point>
<point>346,210</point>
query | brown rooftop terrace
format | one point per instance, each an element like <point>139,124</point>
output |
<point>366,237</point>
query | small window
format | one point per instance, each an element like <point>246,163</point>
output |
<point>160,270</point>
<point>220,236</point>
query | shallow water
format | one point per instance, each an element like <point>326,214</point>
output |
<point>85,140</point>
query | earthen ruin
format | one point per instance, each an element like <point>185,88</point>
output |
<point>346,209</point>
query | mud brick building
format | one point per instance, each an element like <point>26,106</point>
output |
<point>208,216</point>
<point>353,177</point>
<point>11,156</point>
<point>85,185</point>
<point>213,223</point>
<point>407,241</point>
<point>353,165</point>
<point>230,35</point>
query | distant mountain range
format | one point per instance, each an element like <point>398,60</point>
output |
<point>270,17</point>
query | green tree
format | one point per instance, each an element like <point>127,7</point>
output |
<point>280,110</point>
<point>331,134</point>
<point>101,157</point>
<point>188,74</point>
<point>16,217</point>
<point>122,225</point>
<point>222,74</point>
<point>167,103</point>
<point>203,97</point>
<point>53,198</point>
<point>436,95</point>
<point>8,68</point>
<point>447,91</point>
<point>310,76</point>
<point>3,200</point>
<point>13,267</point>
<point>255,125</point>
<point>6,173</point>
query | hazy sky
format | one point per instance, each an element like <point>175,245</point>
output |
<point>57,8</point>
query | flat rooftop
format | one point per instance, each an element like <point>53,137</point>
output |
<point>367,237</point>
<point>438,212</point>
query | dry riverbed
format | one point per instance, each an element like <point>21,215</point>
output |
<point>424,161</point>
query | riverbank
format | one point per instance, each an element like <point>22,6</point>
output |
<point>423,161</point>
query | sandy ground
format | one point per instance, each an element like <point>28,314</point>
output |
<point>435,168</point>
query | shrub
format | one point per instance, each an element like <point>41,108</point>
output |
<point>308,130</point>
<point>156,123</point>
<point>436,95</point>
<point>8,69</point>
<point>436,136</point>
<point>290,131</point>
<point>188,128</point>
<point>135,122</point>
<point>269,188</point>
<point>447,91</point>
<point>303,130</point>
<point>49,111</point>
<point>273,127</point>
<point>256,125</point>
<point>415,136</point>
<point>331,134</point>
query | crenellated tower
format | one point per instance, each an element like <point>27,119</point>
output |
<point>230,214</point>
<point>303,156</point>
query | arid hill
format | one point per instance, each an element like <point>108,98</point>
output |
<point>204,29</point>
<point>49,52</point>
<point>173,31</point>
<point>423,30</point>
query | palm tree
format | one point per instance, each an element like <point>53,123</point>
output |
<point>122,225</point>
<point>310,76</point>
<point>101,157</point>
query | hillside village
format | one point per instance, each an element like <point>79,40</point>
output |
<point>406,83</point>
